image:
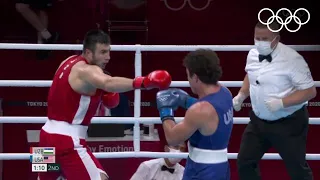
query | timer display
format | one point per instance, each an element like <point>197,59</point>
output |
<point>39,168</point>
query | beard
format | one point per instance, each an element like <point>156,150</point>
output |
<point>95,61</point>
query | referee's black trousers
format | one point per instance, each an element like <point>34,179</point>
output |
<point>287,135</point>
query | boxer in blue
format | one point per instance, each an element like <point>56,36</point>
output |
<point>208,120</point>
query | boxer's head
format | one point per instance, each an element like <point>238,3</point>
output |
<point>203,69</point>
<point>264,39</point>
<point>96,48</point>
<point>174,149</point>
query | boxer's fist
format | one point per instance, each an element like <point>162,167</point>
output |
<point>185,101</point>
<point>110,100</point>
<point>167,102</point>
<point>168,98</point>
<point>157,79</point>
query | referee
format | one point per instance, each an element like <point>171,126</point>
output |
<point>279,83</point>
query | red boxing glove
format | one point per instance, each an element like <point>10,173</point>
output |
<point>157,79</point>
<point>111,100</point>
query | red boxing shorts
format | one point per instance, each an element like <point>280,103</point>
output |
<point>72,152</point>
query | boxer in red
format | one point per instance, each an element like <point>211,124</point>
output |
<point>78,86</point>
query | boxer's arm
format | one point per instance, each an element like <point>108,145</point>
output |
<point>97,78</point>
<point>194,119</point>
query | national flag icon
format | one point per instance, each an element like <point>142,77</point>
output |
<point>49,159</point>
<point>48,151</point>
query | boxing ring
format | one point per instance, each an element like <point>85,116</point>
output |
<point>137,119</point>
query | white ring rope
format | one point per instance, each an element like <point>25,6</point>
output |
<point>148,47</point>
<point>146,154</point>
<point>137,97</point>
<point>46,83</point>
<point>120,120</point>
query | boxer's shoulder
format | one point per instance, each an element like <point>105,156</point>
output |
<point>201,111</point>
<point>77,70</point>
<point>203,116</point>
<point>86,69</point>
<point>70,58</point>
<point>202,107</point>
<point>78,80</point>
<point>88,76</point>
<point>70,61</point>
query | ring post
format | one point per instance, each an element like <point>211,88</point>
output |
<point>137,101</point>
<point>1,140</point>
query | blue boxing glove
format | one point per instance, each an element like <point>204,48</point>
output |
<point>167,102</point>
<point>185,101</point>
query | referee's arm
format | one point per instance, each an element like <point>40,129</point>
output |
<point>302,80</point>
<point>245,87</point>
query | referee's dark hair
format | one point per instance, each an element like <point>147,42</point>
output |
<point>274,25</point>
<point>205,63</point>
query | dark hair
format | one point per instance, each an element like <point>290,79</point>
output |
<point>93,37</point>
<point>205,63</point>
<point>274,25</point>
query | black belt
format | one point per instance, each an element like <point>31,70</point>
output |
<point>303,108</point>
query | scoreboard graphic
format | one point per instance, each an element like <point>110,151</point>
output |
<point>43,159</point>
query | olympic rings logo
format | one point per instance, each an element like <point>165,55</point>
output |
<point>288,19</point>
<point>190,4</point>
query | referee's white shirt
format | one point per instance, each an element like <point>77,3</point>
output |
<point>151,170</point>
<point>287,72</point>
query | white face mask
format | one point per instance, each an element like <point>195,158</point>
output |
<point>174,160</point>
<point>264,47</point>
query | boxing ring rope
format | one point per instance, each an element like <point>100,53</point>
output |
<point>37,83</point>
<point>147,47</point>
<point>146,154</point>
<point>120,120</point>
<point>136,120</point>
